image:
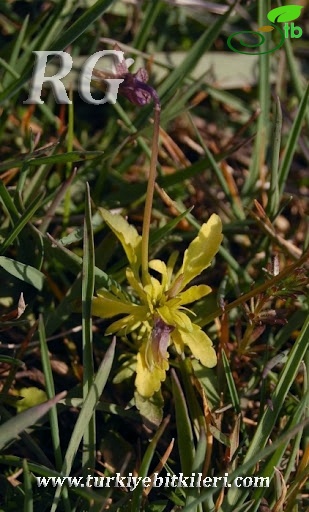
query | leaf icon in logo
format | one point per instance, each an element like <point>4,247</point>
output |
<point>284,13</point>
<point>265,28</point>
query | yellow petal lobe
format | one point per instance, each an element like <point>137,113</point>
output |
<point>148,382</point>
<point>202,249</point>
<point>126,234</point>
<point>199,344</point>
<point>106,307</point>
<point>194,293</point>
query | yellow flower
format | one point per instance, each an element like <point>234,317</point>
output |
<point>160,317</point>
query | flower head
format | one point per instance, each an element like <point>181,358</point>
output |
<point>134,85</point>
<point>160,317</point>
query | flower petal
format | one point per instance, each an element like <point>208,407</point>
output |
<point>199,344</point>
<point>202,249</point>
<point>177,341</point>
<point>125,325</point>
<point>160,267</point>
<point>175,318</point>
<point>106,306</point>
<point>171,264</point>
<point>126,234</point>
<point>154,290</point>
<point>148,382</point>
<point>194,293</point>
<point>136,285</point>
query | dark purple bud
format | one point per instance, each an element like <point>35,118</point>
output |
<point>136,91</point>
<point>134,86</point>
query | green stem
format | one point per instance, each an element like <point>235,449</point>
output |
<point>149,193</point>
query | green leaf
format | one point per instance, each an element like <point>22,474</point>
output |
<point>231,383</point>
<point>185,436</point>
<point>73,156</point>
<point>161,232</point>
<point>86,414</point>
<point>151,409</point>
<point>293,140</point>
<point>10,360</point>
<point>175,78</point>
<point>197,467</point>
<point>266,424</point>
<point>21,223</point>
<point>146,461</point>
<point>209,381</point>
<point>263,127</point>
<point>28,500</point>
<point>274,198</point>
<point>25,273</point>
<point>50,391</point>
<point>66,38</point>
<point>88,408</point>
<point>87,294</point>
<point>284,13</point>
<point>10,430</point>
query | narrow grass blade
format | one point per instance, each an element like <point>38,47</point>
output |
<point>8,359</point>
<point>85,415</point>
<point>160,233</point>
<point>176,77</point>
<point>144,468</point>
<point>151,13</point>
<point>244,469</point>
<point>296,77</point>
<point>67,38</point>
<point>184,430</point>
<point>306,391</point>
<point>32,159</point>
<point>264,104</point>
<point>275,460</point>
<point>10,430</point>
<point>293,141</point>
<point>28,495</point>
<point>8,203</point>
<point>63,191</point>
<point>197,467</point>
<point>267,422</point>
<point>274,198</point>
<point>74,263</point>
<point>50,391</point>
<point>21,223</point>
<point>87,294</point>
<point>81,24</point>
<point>231,384</point>
<point>15,52</point>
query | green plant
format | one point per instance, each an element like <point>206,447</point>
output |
<point>68,175</point>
